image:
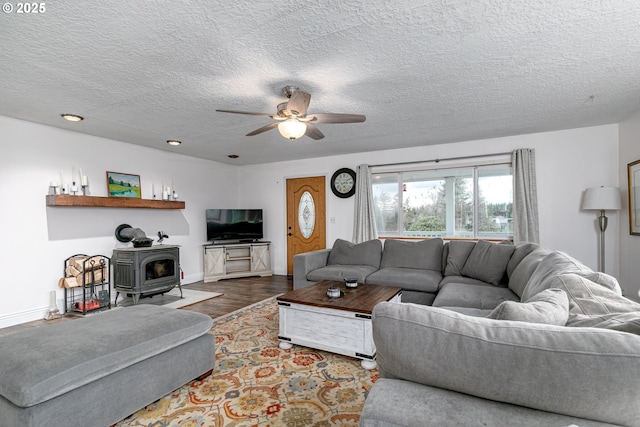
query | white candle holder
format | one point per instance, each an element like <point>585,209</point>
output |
<point>53,188</point>
<point>53,312</point>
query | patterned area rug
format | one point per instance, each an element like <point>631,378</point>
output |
<point>255,383</point>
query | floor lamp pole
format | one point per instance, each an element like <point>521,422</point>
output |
<point>603,221</point>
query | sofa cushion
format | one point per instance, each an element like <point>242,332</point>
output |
<point>347,253</point>
<point>41,363</point>
<point>550,267</point>
<point>462,295</point>
<point>590,299</point>
<point>476,312</point>
<point>582,372</point>
<point>417,297</point>
<point>603,279</point>
<point>624,322</point>
<point>550,306</point>
<point>520,253</point>
<point>341,272</point>
<point>488,262</point>
<point>422,254</point>
<point>395,403</point>
<point>461,279</point>
<point>457,253</point>
<point>522,272</point>
<point>407,278</point>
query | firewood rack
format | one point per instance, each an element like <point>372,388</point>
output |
<point>91,276</point>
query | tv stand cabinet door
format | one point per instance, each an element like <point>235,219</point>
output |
<point>260,258</point>
<point>214,266</point>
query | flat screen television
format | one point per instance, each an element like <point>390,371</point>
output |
<point>234,224</point>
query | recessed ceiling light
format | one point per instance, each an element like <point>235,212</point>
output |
<point>173,142</point>
<point>72,117</point>
<point>233,156</point>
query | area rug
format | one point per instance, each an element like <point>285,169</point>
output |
<point>255,383</point>
<point>172,298</point>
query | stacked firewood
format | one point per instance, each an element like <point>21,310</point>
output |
<point>92,267</point>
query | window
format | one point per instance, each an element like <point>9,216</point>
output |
<point>469,202</point>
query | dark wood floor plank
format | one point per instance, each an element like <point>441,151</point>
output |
<point>238,293</point>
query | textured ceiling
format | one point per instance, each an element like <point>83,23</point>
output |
<point>423,72</point>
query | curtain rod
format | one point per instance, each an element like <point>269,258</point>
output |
<point>439,160</point>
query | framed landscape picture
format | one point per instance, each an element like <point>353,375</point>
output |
<point>633,170</point>
<point>123,185</point>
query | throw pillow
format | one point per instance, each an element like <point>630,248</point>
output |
<point>458,252</point>
<point>522,272</point>
<point>347,253</point>
<point>520,253</point>
<point>550,307</point>
<point>423,254</point>
<point>488,262</point>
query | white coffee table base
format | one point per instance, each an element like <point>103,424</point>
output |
<point>338,331</point>
<point>368,364</point>
<point>285,345</point>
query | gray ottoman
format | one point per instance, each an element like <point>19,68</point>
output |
<point>95,371</point>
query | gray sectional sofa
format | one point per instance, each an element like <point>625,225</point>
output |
<point>492,335</point>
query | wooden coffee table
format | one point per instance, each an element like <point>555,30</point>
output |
<point>341,325</point>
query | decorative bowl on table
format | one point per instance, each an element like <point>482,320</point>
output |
<point>333,292</point>
<point>351,283</point>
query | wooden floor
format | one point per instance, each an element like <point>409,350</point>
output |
<point>237,293</point>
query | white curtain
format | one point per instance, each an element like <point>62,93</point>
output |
<point>364,225</point>
<point>525,196</point>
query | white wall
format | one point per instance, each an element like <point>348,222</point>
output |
<point>567,162</point>
<point>629,245</point>
<point>36,239</point>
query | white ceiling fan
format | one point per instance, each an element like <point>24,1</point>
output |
<point>292,120</point>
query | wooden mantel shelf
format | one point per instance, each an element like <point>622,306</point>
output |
<point>111,202</point>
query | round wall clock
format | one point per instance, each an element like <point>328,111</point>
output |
<point>343,183</point>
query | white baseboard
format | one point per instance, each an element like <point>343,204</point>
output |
<point>192,278</point>
<point>23,317</point>
<point>41,312</point>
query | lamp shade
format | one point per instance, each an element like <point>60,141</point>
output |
<point>601,199</point>
<point>292,128</point>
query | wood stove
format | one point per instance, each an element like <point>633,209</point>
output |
<point>146,271</point>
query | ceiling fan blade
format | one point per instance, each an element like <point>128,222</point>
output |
<point>244,112</point>
<point>336,118</point>
<point>299,102</point>
<point>313,132</point>
<point>262,129</point>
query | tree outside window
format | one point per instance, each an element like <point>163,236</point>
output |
<point>443,203</point>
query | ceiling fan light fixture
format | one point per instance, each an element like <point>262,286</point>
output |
<point>292,128</point>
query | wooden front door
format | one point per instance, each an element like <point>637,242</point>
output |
<point>306,217</point>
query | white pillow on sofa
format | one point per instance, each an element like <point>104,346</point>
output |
<point>550,307</point>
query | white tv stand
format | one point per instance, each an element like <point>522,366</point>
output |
<point>233,260</point>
